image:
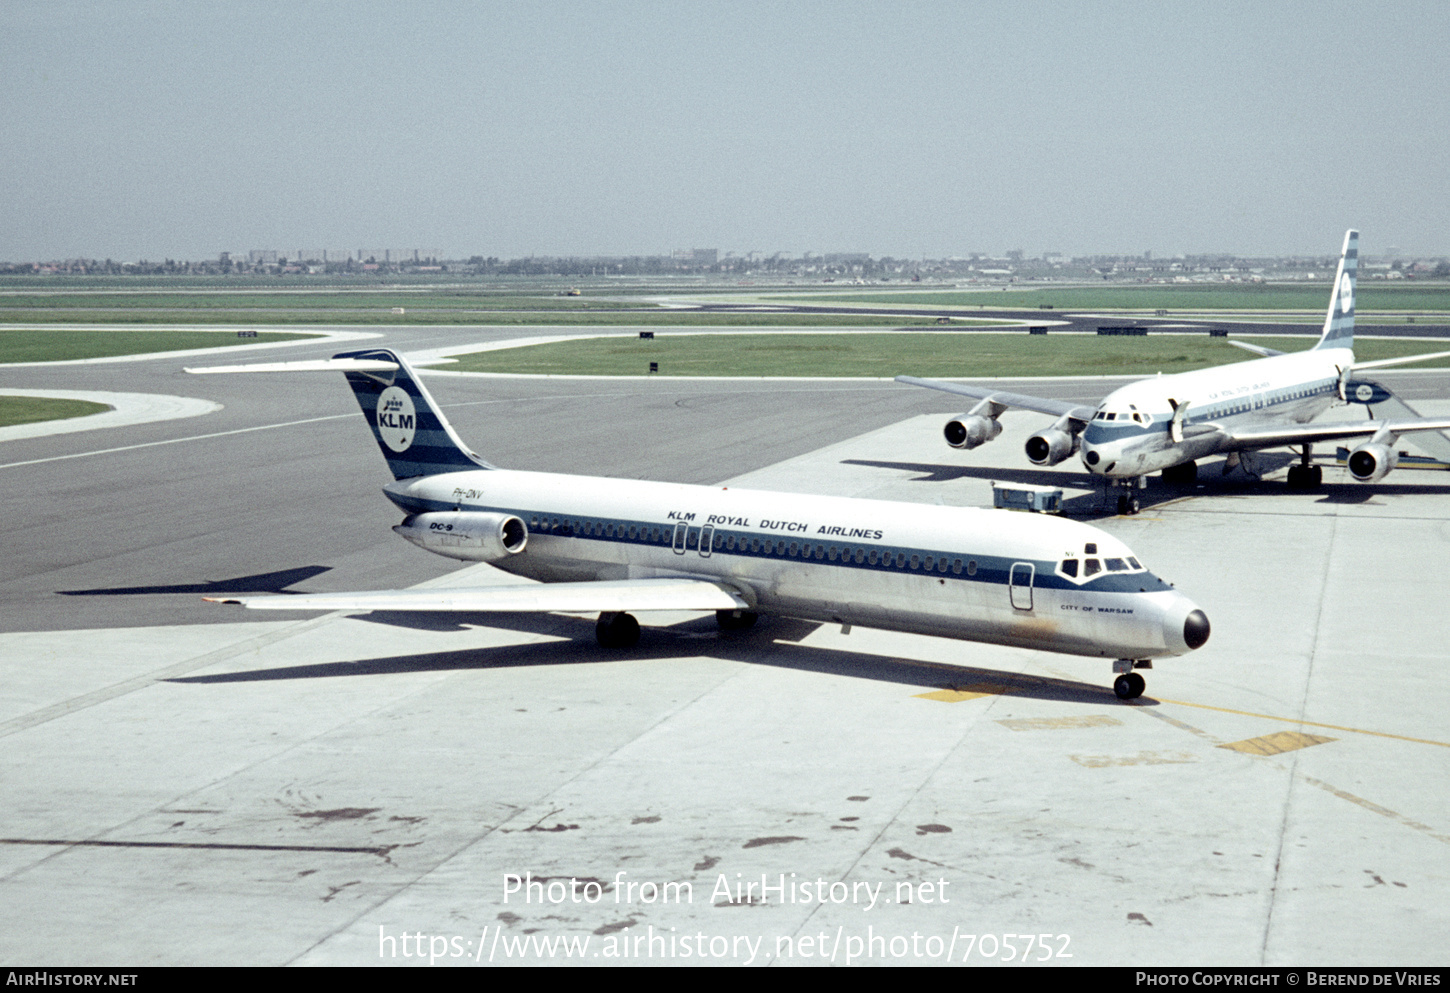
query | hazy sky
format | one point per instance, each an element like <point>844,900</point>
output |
<point>153,130</point>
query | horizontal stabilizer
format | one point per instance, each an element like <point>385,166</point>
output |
<point>611,595</point>
<point>1256,349</point>
<point>306,365</point>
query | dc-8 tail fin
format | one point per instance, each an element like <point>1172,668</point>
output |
<point>1339,322</point>
<point>413,435</point>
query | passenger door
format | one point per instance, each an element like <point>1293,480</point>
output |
<point>1019,585</point>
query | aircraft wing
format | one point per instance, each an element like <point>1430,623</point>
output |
<point>1055,408</point>
<point>604,596</point>
<point>1298,434</point>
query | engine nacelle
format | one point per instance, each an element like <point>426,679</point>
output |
<point>467,535</point>
<point>1372,461</point>
<point>1051,446</point>
<point>971,430</point>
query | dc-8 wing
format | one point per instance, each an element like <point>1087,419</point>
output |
<point>1298,434</point>
<point>1054,408</point>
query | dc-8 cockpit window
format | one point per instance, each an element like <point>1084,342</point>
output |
<point>1068,568</point>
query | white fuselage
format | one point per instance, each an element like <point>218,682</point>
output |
<point>974,574</point>
<point>1132,433</point>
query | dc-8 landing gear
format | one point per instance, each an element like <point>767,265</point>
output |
<point>1129,685</point>
<point>1128,503</point>
<point>1304,475</point>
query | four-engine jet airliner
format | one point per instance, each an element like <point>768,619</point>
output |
<point>1168,422</point>
<point>616,546</point>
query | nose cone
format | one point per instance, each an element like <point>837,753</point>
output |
<point>1185,626</point>
<point>1195,629</point>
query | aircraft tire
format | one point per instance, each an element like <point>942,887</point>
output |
<point>1306,477</point>
<point>1181,475</point>
<point>617,630</point>
<point>1129,686</point>
<point>736,620</point>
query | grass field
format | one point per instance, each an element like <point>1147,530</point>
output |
<point>885,355</point>
<point>1191,297</point>
<point>302,301</point>
<point>29,410</point>
<point>56,345</point>
<point>414,316</point>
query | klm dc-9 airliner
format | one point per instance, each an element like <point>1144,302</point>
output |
<point>617,546</point>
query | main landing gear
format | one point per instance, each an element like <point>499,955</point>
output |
<point>617,630</point>
<point>1185,474</point>
<point>1304,476</point>
<point>1129,685</point>
<point>736,620</point>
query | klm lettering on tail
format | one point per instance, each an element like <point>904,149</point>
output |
<point>397,419</point>
<point>414,437</point>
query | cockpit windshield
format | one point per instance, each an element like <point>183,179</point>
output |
<point>1081,568</point>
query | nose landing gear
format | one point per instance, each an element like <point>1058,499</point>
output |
<point>1129,685</point>
<point>1128,503</point>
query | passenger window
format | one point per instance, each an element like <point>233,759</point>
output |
<point>1069,567</point>
<point>971,567</point>
<point>872,557</point>
<point>860,556</point>
<point>780,548</point>
<point>794,549</point>
<point>820,551</point>
<point>900,559</point>
<point>1091,567</point>
<point>916,561</point>
<point>956,567</point>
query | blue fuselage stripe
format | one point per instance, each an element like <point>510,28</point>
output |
<point>749,544</point>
